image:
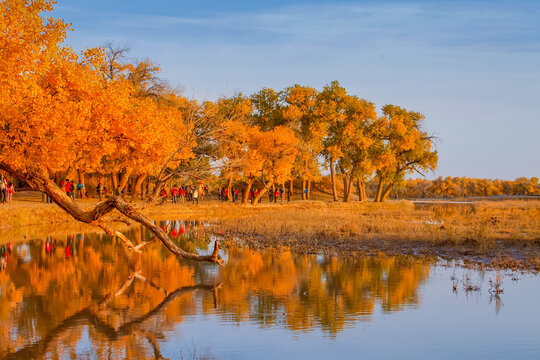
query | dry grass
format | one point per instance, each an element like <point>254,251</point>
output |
<point>503,233</point>
<point>485,223</point>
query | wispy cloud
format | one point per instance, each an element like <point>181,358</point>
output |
<point>495,26</point>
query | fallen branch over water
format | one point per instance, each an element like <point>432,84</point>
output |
<point>95,216</point>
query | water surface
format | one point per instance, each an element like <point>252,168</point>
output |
<point>84,296</point>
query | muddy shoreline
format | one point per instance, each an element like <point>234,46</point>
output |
<point>505,257</point>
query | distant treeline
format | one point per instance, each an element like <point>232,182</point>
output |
<point>449,187</point>
<point>462,187</point>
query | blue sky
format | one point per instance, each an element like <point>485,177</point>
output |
<point>473,68</point>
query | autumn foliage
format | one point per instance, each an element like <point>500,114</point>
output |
<point>464,187</point>
<point>66,114</point>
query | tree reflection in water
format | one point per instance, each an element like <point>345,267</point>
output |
<point>121,304</point>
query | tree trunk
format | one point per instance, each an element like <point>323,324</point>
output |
<point>364,190</point>
<point>362,187</point>
<point>124,180</point>
<point>229,188</point>
<point>291,188</point>
<point>379,189</point>
<point>245,198</point>
<point>80,173</point>
<point>387,192</point>
<point>303,189</point>
<point>138,187</point>
<point>345,189</point>
<point>262,192</point>
<point>349,188</point>
<point>359,189</point>
<point>309,189</point>
<point>333,176</point>
<point>114,180</point>
<point>147,187</point>
<point>130,187</point>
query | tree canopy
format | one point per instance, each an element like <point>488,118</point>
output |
<point>97,113</point>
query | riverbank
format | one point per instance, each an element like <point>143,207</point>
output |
<point>502,233</point>
<point>498,234</point>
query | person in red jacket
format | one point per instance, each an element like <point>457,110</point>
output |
<point>182,192</point>
<point>174,193</point>
<point>69,245</point>
<point>163,195</point>
<point>67,186</point>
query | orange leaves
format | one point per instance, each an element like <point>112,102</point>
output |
<point>406,141</point>
<point>61,110</point>
<point>278,148</point>
<point>98,112</point>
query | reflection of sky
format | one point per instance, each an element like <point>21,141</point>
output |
<point>436,324</point>
<point>23,252</point>
<point>471,67</point>
<point>443,326</point>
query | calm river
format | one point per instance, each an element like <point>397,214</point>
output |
<point>66,296</point>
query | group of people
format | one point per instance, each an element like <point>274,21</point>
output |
<point>279,193</point>
<point>7,188</point>
<point>71,248</point>
<point>190,193</point>
<point>223,194</point>
<point>273,195</point>
<point>71,189</point>
<point>193,193</point>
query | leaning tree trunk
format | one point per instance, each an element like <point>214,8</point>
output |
<point>387,192</point>
<point>245,197</point>
<point>41,182</point>
<point>262,192</point>
<point>333,176</point>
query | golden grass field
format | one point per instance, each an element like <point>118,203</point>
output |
<point>498,232</point>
